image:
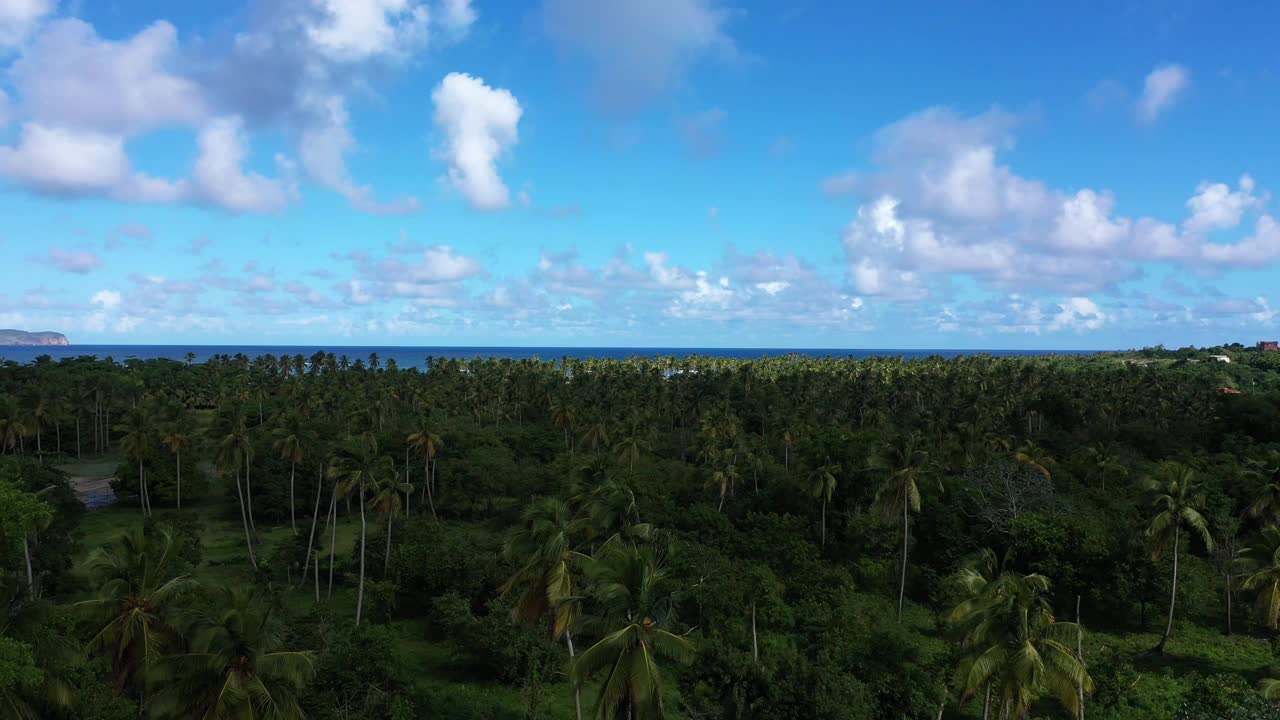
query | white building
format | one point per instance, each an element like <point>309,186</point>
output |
<point>1220,358</point>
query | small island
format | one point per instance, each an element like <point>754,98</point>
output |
<point>21,337</point>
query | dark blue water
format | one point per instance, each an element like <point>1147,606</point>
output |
<point>414,356</point>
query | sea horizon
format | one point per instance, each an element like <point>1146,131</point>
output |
<point>414,355</point>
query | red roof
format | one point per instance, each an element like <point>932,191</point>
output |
<point>1231,391</point>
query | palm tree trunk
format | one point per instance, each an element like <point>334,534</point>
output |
<point>293,519</point>
<point>577,689</point>
<point>1080,657</point>
<point>248,492</point>
<point>248,539</point>
<point>986,703</point>
<point>1173,592</point>
<point>363,533</point>
<point>755,643</point>
<point>386,558</point>
<point>902,583</point>
<point>26,554</point>
<point>179,469</point>
<point>317,578</point>
<point>824,522</point>
<point>430,495</point>
<point>78,457</point>
<point>315,515</point>
<point>333,538</point>
<point>142,489</point>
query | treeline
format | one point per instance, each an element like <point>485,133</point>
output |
<point>695,537</point>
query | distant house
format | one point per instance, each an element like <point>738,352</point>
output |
<point>1221,358</point>
<point>1269,345</point>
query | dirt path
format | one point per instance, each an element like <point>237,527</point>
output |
<point>94,492</point>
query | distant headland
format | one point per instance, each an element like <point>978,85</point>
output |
<point>21,337</point>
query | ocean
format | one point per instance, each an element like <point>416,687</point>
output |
<point>408,356</point>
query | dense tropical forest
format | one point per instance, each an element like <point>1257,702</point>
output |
<point>330,537</point>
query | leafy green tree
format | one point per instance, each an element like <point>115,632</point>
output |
<point>1177,508</point>
<point>134,604</point>
<point>1015,650</point>
<point>21,513</point>
<point>632,586</point>
<point>236,666</point>
<point>1258,566</point>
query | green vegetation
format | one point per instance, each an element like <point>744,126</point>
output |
<point>321,537</point>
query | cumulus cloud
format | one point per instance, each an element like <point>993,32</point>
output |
<point>106,299</point>
<point>1161,90</point>
<point>59,161</point>
<point>19,18</point>
<point>323,149</point>
<point>1215,206</point>
<point>347,31</point>
<point>72,78</point>
<point>220,179</point>
<point>639,49</point>
<point>479,123</point>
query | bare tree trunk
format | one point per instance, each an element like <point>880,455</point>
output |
<point>26,554</point>
<point>1080,657</point>
<point>333,538</point>
<point>902,584</point>
<point>248,539</point>
<point>317,578</point>
<point>315,515</point>
<point>386,558</point>
<point>1173,593</point>
<point>430,494</point>
<point>363,534</point>
<point>248,492</point>
<point>577,689</point>
<point>986,703</point>
<point>179,468</point>
<point>293,519</point>
<point>824,522</point>
<point>78,456</point>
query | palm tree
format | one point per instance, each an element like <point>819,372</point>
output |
<point>631,585</point>
<point>426,443</point>
<point>1266,506</point>
<point>632,444</point>
<point>356,470</point>
<point>1034,457</point>
<point>13,426</point>
<point>1104,461</point>
<point>596,436</point>
<point>136,596</point>
<point>136,443</point>
<point>236,667</point>
<point>543,547</point>
<point>387,500</point>
<point>175,440</point>
<point>821,483</point>
<point>291,442</point>
<point>1013,645</point>
<point>233,446</point>
<point>899,494</point>
<point>1259,568</point>
<point>1177,509</point>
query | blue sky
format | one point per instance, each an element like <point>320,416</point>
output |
<point>640,172</point>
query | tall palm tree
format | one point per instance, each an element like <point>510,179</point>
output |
<point>543,548</point>
<point>1014,648</point>
<point>631,585</point>
<point>1259,568</point>
<point>387,500</point>
<point>1266,506</point>
<point>821,483</point>
<point>134,603</point>
<point>232,446</point>
<point>1104,460</point>
<point>236,667</point>
<point>905,465</point>
<point>13,426</point>
<point>426,444</point>
<point>175,439</point>
<point>291,442</point>
<point>1177,509</point>
<point>136,441</point>
<point>356,470</point>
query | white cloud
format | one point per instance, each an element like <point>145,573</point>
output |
<point>107,299</point>
<point>1078,313</point>
<point>60,161</point>
<point>220,179</point>
<point>1160,90</point>
<point>357,30</point>
<point>323,149</point>
<point>1084,223</point>
<point>1215,206</point>
<point>18,18</point>
<point>456,16</point>
<point>640,49</point>
<point>1260,248</point>
<point>6,111</point>
<point>72,78</point>
<point>480,123</point>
